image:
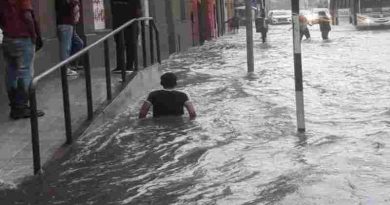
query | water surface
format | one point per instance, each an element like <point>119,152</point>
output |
<point>243,148</point>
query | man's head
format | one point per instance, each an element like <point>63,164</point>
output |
<point>168,80</point>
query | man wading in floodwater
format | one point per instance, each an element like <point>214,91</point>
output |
<point>167,102</point>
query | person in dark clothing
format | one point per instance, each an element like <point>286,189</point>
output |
<point>262,26</point>
<point>122,12</point>
<point>167,102</point>
<point>264,31</point>
<point>22,38</point>
<point>324,23</point>
<point>76,46</point>
<point>234,24</point>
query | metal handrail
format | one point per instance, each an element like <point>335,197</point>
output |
<point>86,49</point>
<point>65,89</point>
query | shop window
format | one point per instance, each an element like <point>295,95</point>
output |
<point>99,15</point>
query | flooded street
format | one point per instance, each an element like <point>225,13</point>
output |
<point>244,148</point>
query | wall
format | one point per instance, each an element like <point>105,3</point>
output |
<point>229,11</point>
<point>158,12</point>
<point>194,15</point>
<point>182,21</point>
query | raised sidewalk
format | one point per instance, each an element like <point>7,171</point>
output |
<point>16,161</point>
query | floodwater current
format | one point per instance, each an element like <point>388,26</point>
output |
<point>243,148</point>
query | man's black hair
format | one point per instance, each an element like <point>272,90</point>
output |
<point>168,80</point>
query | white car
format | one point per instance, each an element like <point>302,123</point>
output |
<point>1,36</point>
<point>279,16</point>
<point>374,19</point>
<point>306,13</point>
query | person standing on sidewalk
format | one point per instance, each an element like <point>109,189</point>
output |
<point>122,12</point>
<point>77,45</point>
<point>22,39</point>
<point>167,102</point>
<point>68,15</point>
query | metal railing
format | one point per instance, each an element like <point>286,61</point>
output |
<point>153,32</point>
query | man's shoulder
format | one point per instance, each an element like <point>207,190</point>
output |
<point>163,91</point>
<point>179,92</point>
<point>14,7</point>
<point>155,92</point>
<point>26,4</point>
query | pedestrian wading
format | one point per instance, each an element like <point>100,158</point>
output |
<point>167,101</point>
<point>324,23</point>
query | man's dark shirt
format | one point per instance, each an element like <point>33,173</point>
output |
<point>124,10</point>
<point>65,11</point>
<point>167,102</point>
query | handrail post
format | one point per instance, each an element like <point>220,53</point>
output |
<point>151,39</point>
<point>34,131</point>
<point>88,86</point>
<point>143,41</point>
<point>121,63</point>
<point>107,66</point>
<point>158,43</point>
<point>65,95</point>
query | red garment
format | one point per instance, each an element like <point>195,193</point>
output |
<point>16,18</point>
<point>302,19</point>
<point>25,4</point>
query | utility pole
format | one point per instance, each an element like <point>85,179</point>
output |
<point>298,67</point>
<point>249,36</point>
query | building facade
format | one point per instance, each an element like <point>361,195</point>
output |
<point>181,24</point>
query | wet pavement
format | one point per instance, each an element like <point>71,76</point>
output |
<point>243,148</point>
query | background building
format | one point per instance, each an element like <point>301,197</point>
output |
<point>181,24</point>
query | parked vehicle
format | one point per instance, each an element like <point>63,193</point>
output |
<point>279,16</point>
<point>369,14</point>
